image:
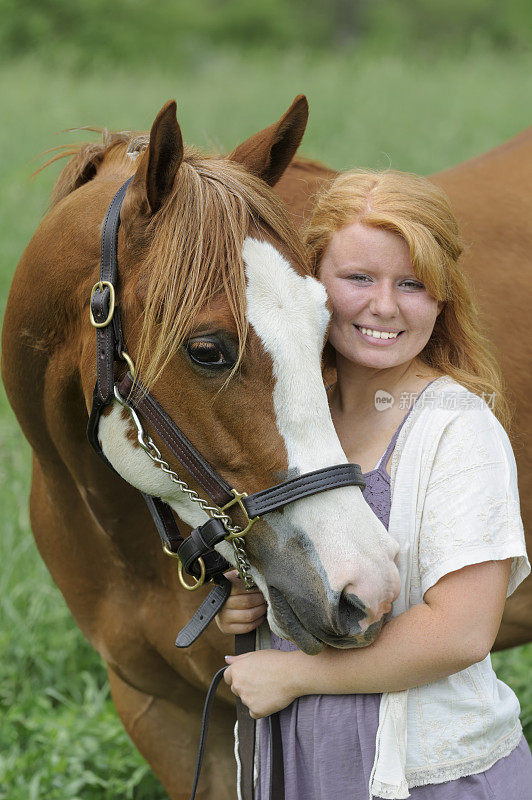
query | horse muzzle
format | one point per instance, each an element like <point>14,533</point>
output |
<point>343,624</point>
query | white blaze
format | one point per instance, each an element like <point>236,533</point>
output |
<point>288,313</point>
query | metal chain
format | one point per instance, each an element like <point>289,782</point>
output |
<point>242,564</point>
<point>155,454</point>
<point>151,450</point>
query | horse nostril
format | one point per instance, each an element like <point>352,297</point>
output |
<point>351,610</point>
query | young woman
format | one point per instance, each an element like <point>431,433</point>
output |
<point>420,712</point>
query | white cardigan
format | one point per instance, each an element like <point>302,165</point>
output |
<point>454,502</point>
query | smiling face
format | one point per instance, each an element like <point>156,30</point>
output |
<point>370,281</point>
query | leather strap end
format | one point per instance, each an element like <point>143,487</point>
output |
<point>205,613</point>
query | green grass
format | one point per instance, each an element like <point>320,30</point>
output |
<point>59,735</point>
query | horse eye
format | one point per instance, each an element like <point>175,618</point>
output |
<point>206,353</point>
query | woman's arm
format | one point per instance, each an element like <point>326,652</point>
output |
<point>453,628</point>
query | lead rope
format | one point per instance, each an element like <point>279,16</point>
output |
<point>207,708</point>
<point>276,781</point>
<point>276,791</point>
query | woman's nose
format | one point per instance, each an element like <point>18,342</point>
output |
<point>383,302</point>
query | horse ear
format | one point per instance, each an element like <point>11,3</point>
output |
<point>160,162</point>
<point>269,152</point>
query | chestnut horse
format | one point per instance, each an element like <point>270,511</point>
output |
<point>226,329</point>
<point>492,198</point>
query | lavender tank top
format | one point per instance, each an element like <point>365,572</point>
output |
<point>329,740</point>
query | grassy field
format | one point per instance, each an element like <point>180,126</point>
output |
<point>59,736</point>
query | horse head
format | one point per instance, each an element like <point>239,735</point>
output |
<point>226,328</point>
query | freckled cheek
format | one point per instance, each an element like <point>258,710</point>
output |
<point>419,320</point>
<point>422,310</point>
<point>418,313</point>
<point>345,310</point>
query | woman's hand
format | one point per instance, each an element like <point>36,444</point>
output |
<point>243,611</point>
<point>264,680</point>
<point>260,679</point>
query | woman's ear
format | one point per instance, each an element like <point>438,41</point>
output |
<point>441,304</point>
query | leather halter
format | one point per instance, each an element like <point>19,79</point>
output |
<point>196,554</point>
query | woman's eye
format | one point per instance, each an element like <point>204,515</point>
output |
<point>206,353</point>
<point>358,278</point>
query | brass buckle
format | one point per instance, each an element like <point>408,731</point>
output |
<point>98,286</point>
<point>190,587</point>
<point>238,496</point>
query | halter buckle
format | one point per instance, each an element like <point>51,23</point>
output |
<point>237,500</point>
<point>98,287</point>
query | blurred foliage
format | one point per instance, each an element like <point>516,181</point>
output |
<point>180,31</point>
<point>444,25</point>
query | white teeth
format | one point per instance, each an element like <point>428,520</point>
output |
<point>379,334</point>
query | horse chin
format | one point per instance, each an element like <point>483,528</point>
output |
<point>284,623</point>
<point>352,642</point>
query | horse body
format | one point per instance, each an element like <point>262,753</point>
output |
<point>93,529</point>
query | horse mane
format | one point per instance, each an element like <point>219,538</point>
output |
<point>195,240</point>
<point>86,157</point>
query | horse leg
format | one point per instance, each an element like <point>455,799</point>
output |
<point>167,735</point>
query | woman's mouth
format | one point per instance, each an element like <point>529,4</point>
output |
<point>379,338</point>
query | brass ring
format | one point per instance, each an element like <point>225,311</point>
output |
<point>238,497</point>
<point>127,358</point>
<point>169,552</point>
<point>191,587</point>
